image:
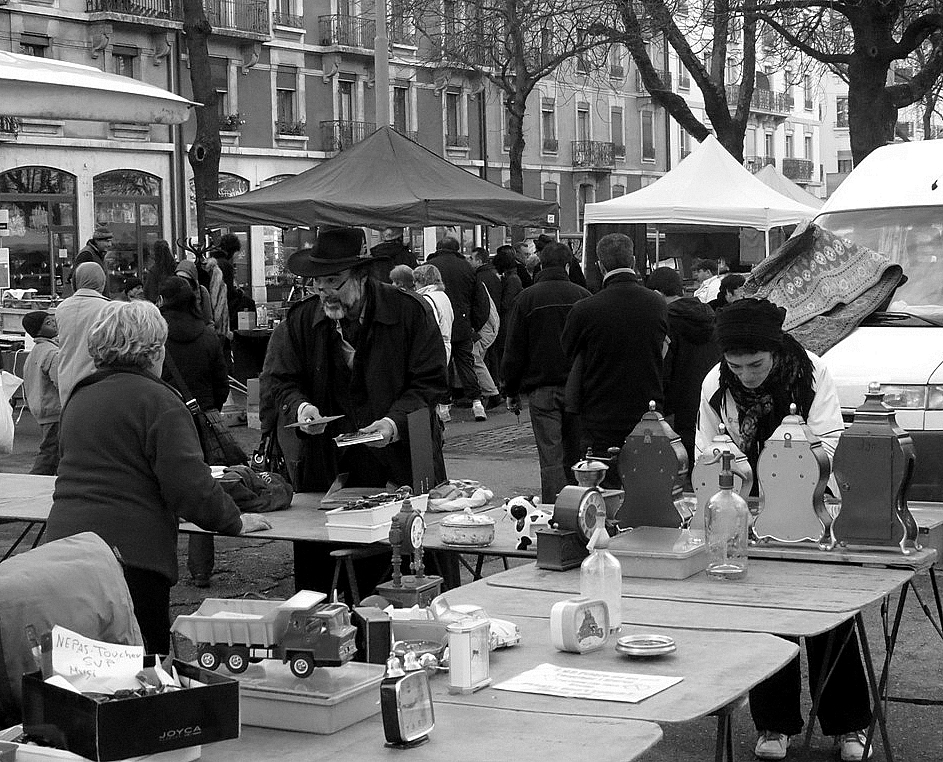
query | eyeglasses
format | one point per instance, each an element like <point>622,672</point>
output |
<point>330,282</point>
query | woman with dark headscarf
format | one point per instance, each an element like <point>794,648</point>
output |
<point>163,265</point>
<point>187,270</point>
<point>763,370</point>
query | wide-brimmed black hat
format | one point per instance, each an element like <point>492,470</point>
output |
<point>335,250</point>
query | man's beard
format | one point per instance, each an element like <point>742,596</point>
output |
<point>338,306</point>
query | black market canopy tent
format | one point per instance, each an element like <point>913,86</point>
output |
<point>386,180</point>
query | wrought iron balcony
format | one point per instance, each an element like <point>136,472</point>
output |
<point>341,134</point>
<point>765,101</point>
<point>238,15</point>
<point>593,154</point>
<point>551,145</point>
<point>798,169</point>
<point>663,75</point>
<point>288,19</point>
<point>350,31</point>
<point>456,141</point>
<point>143,9</point>
<point>400,34</point>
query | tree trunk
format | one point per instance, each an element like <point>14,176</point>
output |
<point>205,152</point>
<point>872,116</point>
<point>515,109</point>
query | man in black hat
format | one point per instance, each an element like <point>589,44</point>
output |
<point>363,350</point>
<point>763,370</point>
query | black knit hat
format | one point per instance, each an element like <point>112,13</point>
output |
<point>752,325</point>
<point>33,322</point>
<point>666,280</point>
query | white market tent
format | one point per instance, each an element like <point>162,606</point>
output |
<point>776,180</point>
<point>708,187</point>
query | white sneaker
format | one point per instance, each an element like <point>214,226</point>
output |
<point>770,745</point>
<point>851,745</point>
<point>443,411</point>
<point>479,411</point>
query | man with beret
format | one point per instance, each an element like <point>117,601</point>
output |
<point>360,349</point>
<point>95,250</point>
<point>763,370</point>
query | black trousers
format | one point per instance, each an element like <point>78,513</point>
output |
<point>463,360</point>
<point>845,704</point>
<point>150,594</point>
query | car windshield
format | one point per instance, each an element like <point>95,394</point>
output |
<point>910,236</point>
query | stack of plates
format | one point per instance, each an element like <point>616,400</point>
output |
<point>645,645</point>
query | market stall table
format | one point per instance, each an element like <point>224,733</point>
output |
<point>459,736</point>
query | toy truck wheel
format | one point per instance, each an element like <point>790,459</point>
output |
<point>208,658</point>
<point>301,665</point>
<point>237,661</point>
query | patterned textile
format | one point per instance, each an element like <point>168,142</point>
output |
<point>827,284</point>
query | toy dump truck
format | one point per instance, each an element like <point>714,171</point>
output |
<point>302,631</point>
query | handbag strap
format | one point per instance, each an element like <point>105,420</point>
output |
<point>188,399</point>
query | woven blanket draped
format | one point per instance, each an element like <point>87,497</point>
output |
<point>827,284</point>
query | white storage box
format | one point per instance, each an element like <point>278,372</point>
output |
<point>331,699</point>
<point>372,517</point>
<point>364,534</point>
<point>658,553</point>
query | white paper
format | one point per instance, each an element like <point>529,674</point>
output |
<point>94,666</point>
<point>551,680</point>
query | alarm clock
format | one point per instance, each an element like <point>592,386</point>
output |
<point>406,708</point>
<point>579,625</point>
<point>469,661</point>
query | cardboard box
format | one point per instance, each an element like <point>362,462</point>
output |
<point>30,752</point>
<point>115,730</point>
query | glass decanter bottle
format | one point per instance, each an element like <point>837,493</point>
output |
<point>727,521</point>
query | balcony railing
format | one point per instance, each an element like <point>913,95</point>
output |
<point>158,9</point>
<point>551,145</point>
<point>456,141</point>
<point>241,15</point>
<point>665,77</point>
<point>593,153</point>
<point>288,19</point>
<point>756,163</point>
<point>763,100</point>
<point>400,35</point>
<point>351,31</point>
<point>340,134</point>
<point>798,169</point>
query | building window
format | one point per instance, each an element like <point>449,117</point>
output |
<point>128,202</point>
<point>807,146</point>
<point>789,146</point>
<point>286,83</point>
<point>583,129</point>
<point>684,142</point>
<point>618,190</point>
<point>768,146</point>
<point>122,60</point>
<point>34,45</point>
<point>648,135</point>
<point>401,109</point>
<point>807,92</point>
<point>684,77</point>
<point>455,135</point>
<point>845,165</point>
<point>219,73</point>
<point>550,191</point>
<point>450,18</point>
<point>43,234</point>
<point>617,129</point>
<point>841,111</point>
<point>548,125</point>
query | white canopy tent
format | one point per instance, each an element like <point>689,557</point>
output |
<point>708,187</point>
<point>45,88</point>
<point>776,180</point>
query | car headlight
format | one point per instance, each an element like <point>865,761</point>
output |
<point>913,396</point>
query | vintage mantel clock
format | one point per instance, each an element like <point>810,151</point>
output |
<point>793,470</point>
<point>652,465</point>
<point>873,464</point>
<point>405,705</point>
<point>707,468</point>
<point>407,531</point>
<point>469,660</point>
<point>576,513</point>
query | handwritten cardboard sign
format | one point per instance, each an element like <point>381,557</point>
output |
<point>92,665</point>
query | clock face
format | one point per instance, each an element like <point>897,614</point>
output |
<point>586,517</point>
<point>414,532</point>
<point>414,701</point>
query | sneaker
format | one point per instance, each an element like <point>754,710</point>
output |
<point>770,745</point>
<point>851,745</point>
<point>479,411</point>
<point>444,413</point>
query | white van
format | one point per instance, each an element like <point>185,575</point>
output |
<point>893,203</point>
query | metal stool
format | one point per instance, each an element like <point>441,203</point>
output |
<point>344,559</point>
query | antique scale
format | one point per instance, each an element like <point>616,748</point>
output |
<point>707,468</point>
<point>652,465</point>
<point>874,464</point>
<point>407,530</point>
<point>793,471</point>
<point>562,545</point>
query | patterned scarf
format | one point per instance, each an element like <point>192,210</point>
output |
<point>761,410</point>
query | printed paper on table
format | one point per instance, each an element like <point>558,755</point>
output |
<point>551,680</point>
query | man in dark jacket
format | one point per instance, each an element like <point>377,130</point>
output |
<point>390,253</point>
<point>486,362</point>
<point>363,350</point>
<point>534,364</point>
<point>692,352</point>
<point>574,270</point>
<point>617,339</point>
<point>95,250</point>
<point>470,307</point>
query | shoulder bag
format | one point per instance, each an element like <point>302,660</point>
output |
<point>220,447</point>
